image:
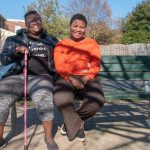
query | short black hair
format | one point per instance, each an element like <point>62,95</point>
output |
<point>80,17</point>
<point>30,13</point>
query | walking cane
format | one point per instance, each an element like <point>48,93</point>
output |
<point>25,100</point>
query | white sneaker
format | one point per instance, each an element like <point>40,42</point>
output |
<point>63,130</point>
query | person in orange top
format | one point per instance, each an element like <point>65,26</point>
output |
<point>80,58</point>
<point>77,61</point>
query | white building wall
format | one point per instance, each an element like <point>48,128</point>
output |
<point>3,35</point>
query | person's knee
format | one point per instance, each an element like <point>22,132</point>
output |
<point>99,101</point>
<point>95,106</point>
<point>42,96</point>
<point>45,109</point>
<point>43,100</point>
<point>62,100</point>
<point>44,103</point>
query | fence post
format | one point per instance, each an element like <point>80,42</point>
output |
<point>147,91</point>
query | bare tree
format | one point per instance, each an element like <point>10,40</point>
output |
<point>94,10</point>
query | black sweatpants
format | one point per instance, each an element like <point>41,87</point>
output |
<point>64,96</point>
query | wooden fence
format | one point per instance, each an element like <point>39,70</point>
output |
<point>120,49</point>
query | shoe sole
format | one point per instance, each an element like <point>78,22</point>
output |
<point>81,139</point>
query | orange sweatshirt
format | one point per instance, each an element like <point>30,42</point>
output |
<point>77,58</point>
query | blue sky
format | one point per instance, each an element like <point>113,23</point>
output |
<point>14,9</point>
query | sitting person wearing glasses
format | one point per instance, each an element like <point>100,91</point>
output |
<point>40,82</point>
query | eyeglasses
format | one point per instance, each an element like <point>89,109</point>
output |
<point>32,21</point>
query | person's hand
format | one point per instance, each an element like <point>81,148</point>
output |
<point>21,49</point>
<point>76,81</point>
<point>85,79</point>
